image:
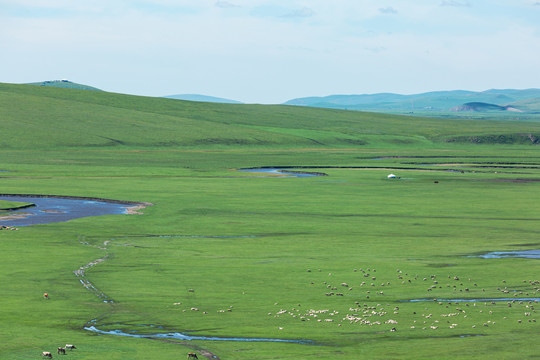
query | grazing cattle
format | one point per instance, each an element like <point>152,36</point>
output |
<point>61,350</point>
<point>46,296</point>
<point>70,347</point>
<point>46,354</point>
<point>192,356</point>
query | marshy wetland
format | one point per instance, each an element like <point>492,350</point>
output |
<point>440,262</point>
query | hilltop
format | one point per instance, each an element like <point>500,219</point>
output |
<point>64,83</point>
<point>481,106</point>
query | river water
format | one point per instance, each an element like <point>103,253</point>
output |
<point>183,336</point>
<point>57,209</point>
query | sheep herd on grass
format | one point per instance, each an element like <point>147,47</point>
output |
<point>365,313</point>
<point>371,301</point>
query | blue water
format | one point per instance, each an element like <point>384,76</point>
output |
<point>527,254</point>
<point>535,299</point>
<point>280,171</point>
<point>50,210</point>
<point>181,336</point>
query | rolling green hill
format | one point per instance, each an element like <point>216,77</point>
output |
<point>529,105</point>
<point>45,117</point>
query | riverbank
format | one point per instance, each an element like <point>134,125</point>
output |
<point>125,202</point>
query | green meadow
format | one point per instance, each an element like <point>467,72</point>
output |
<point>328,263</point>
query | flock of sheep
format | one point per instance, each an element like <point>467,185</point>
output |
<point>372,307</point>
<point>371,301</point>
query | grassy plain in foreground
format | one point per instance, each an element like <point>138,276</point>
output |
<point>271,248</point>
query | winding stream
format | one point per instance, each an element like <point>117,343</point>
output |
<point>532,299</point>
<point>295,172</point>
<point>183,336</point>
<point>527,254</point>
<point>58,209</point>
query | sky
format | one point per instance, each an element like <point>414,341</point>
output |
<point>271,51</point>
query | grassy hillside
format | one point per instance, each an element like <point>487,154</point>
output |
<point>225,253</point>
<point>41,117</point>
<point>529,105</point>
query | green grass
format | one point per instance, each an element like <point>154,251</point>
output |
<point>45,117</point>
<point>295,236</point>
<point>12,205</point>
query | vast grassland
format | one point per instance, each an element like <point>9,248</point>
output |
<point>230,254</point>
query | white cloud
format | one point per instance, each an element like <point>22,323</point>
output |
<point>388,10</point>
<point>269,50</point>
<point>456,3</point>
<point>226,4</point>
<point>300,13</point>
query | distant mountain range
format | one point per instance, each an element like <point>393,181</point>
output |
<point>196,97</point>
<point>439,101</point>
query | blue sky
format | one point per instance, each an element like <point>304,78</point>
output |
<point>270,51</point>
